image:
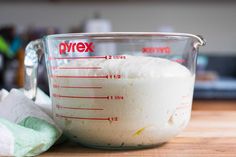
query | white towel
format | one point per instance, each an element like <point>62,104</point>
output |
<point>25,129</point>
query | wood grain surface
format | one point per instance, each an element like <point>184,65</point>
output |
<point>211,132</point>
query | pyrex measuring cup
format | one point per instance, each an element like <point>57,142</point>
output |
<point>117,90</point>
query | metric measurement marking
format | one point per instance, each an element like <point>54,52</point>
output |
<point>89,57</point>
<point>110,119</point>
<point>85,87</point>
<point>78,108</point>
<point>76,68</point>
<point>88,77</point>
<point>117,97</point>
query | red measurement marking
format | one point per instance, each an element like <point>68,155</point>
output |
<point>92,77</point>
<point>72,58</point>
<point>161,50</point>
<point>113,119</point>
<point>116,57</point>
<point>80,97</point>
<point>88,118</point>
<point>115,97</point>
<point>86,87</point>
<point>89,57</point>
<point>77,108</point>
<point>90,97</point>
<point>179,60</point>
<point>77,68</point>
<point>114,76</point>
<point>64,76</point>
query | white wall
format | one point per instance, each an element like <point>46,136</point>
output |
<point>215,21</point>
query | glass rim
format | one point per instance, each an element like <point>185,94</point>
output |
<point>125,35</point>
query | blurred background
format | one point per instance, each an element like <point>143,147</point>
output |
<point>26,20</point>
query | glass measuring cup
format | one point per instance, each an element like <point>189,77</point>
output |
<point>117,90</point>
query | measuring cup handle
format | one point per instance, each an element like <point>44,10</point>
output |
<point>33,53</point>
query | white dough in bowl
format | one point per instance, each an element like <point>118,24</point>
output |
<point>138,101</point>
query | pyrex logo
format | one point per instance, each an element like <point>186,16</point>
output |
<point>76,47</point>
<point>162,50</point>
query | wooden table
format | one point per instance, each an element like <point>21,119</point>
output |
<point>211,132</point>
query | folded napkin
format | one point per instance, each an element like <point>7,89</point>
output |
<point>26,129</point>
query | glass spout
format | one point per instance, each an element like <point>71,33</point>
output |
<point>200,41</point>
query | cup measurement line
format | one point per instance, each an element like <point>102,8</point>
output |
<point>72,58</point>
<point>85,76</point>
<point>116,97</point>
<point>75,68</point>
<point>116,76</point>
<point>88,57</point>
<point>83,87</point>
<point>80,97</point>
<point>78,108</point>
<point>110,119</point>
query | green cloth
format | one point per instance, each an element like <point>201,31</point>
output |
<point>32,136</point>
